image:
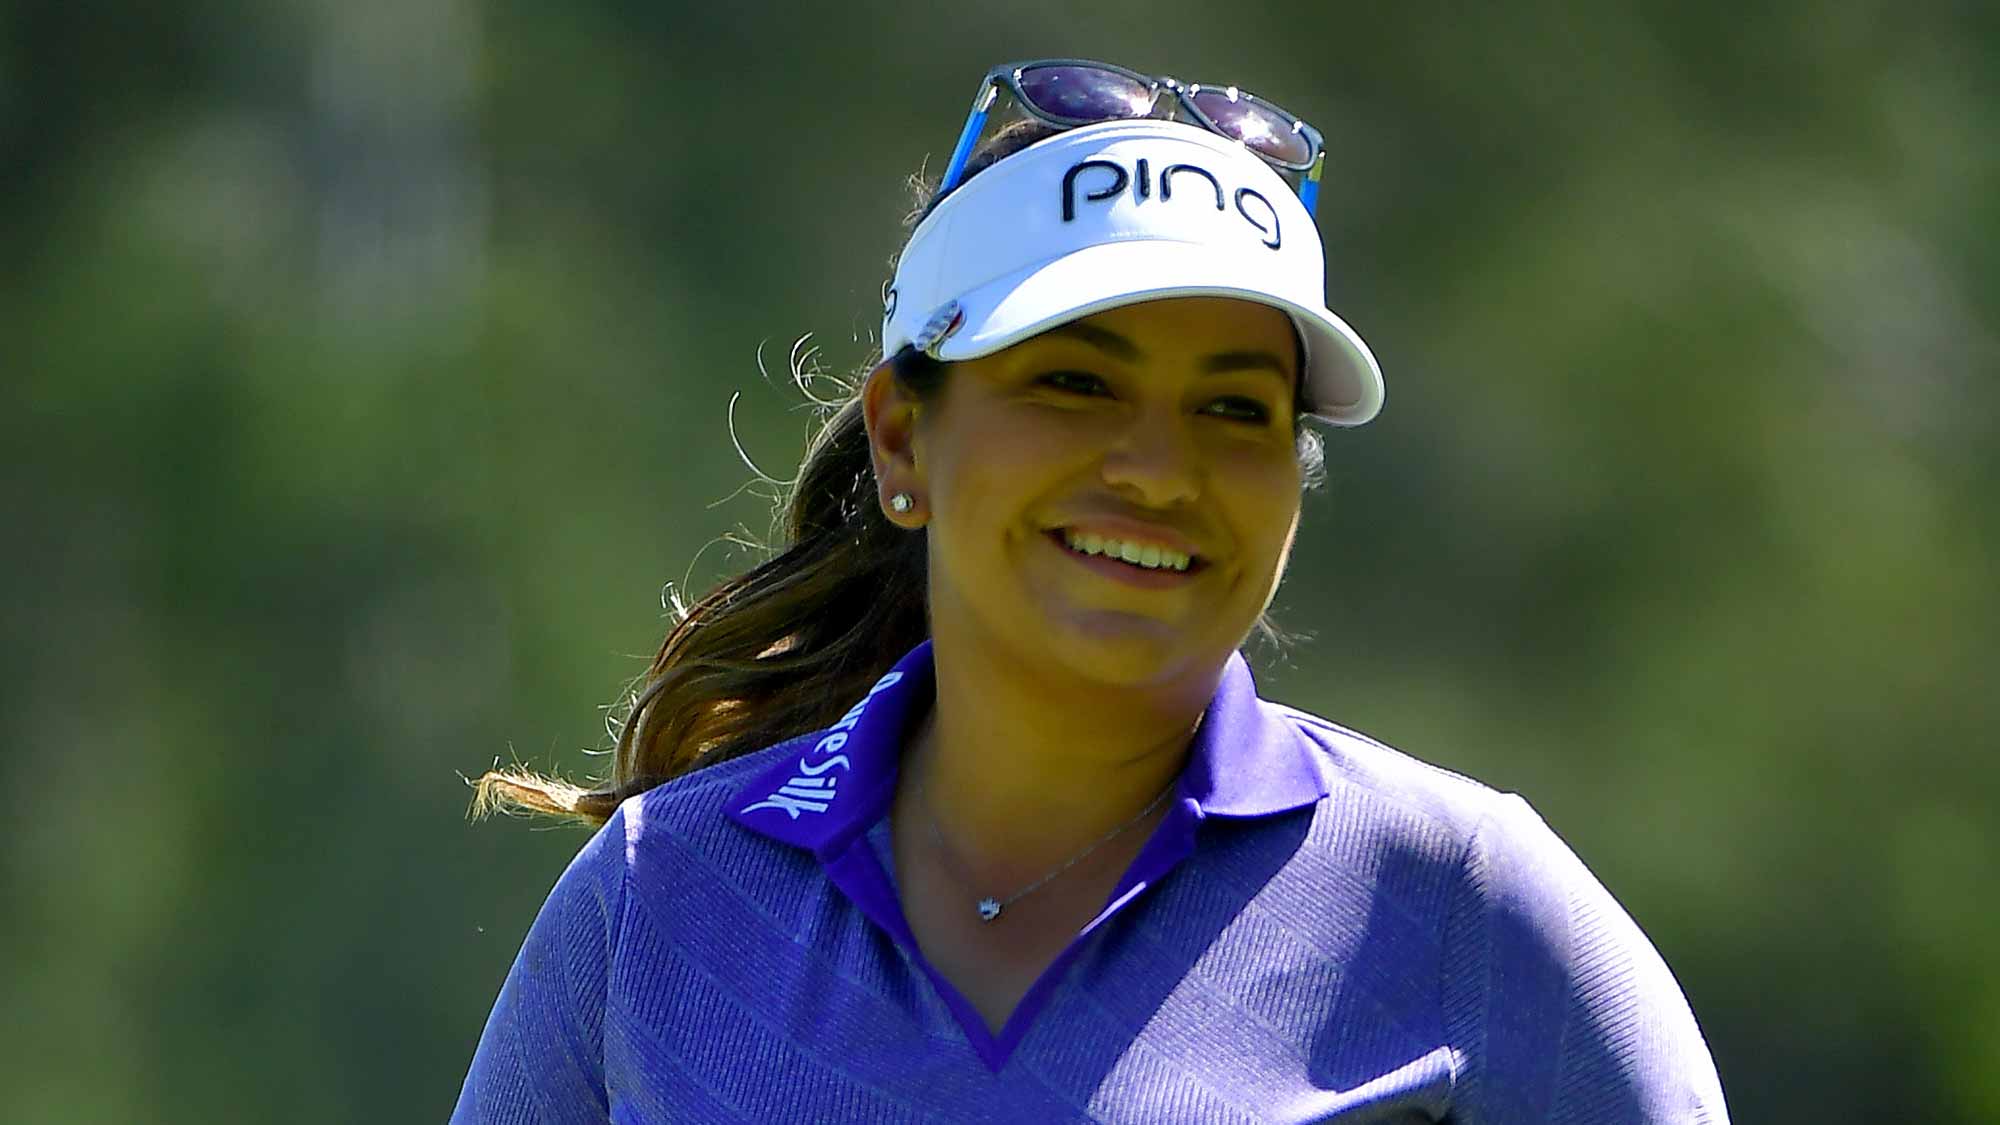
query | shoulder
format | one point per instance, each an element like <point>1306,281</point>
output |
<point>1494,835</point>
<point>1418,834</point>
<point>692,810</point>
<point>680,841</point>
<point>1555,999</point>
<point>1498,844</point>
<point>1364,776</point>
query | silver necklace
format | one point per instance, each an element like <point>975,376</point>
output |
<point>989,907</point>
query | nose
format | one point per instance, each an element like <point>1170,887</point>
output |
<point>1154,461</point>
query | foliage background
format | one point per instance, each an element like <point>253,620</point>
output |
<point>366,371</point>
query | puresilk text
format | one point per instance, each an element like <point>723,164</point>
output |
<point>812,787</point>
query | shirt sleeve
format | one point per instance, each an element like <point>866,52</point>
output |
<point>541,1058</point>
<point>1560,1010</point>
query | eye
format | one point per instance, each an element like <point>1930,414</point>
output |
<point>1241,409</point>
<point>1079,382</point>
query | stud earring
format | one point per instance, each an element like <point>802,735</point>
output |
<point>901,502</point>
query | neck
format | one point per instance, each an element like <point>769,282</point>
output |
<point>1022,773</point>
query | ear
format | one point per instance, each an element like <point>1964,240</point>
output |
<point>889,411</point>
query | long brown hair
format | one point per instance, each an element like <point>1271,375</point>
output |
<point>788,646</point>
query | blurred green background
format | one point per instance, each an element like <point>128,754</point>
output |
<point>368,363</point>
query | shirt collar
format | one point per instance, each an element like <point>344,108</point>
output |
<point>1247,760</point>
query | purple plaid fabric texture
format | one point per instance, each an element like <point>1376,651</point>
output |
<point>1322,929</point>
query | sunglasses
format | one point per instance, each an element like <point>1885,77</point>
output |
<point>1072,92</point>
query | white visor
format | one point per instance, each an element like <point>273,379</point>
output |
<point>1113,214</point>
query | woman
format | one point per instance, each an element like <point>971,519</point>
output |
<point>965,807</point>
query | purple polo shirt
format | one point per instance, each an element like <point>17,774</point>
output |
<point>1321,929</point>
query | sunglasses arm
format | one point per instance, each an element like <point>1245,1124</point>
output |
<point>1309,190</point>
<point>974,122</point>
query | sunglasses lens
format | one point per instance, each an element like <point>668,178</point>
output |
<point>1257,126</point>
<point>1082,93</point>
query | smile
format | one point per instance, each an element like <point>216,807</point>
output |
<point>1147,565</point>
<point>1144,555</point>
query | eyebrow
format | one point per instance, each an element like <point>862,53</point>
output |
<point>1122,348</point>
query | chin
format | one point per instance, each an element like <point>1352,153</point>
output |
<point>1121,650</point>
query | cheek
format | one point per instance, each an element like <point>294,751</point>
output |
<point>1005,460</point>
<point>1264,507</point>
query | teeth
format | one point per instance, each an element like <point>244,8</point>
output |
<point>1148,556</point>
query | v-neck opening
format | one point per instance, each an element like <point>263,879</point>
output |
<point>866,867</point>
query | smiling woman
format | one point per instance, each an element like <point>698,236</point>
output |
<point>965,804</point>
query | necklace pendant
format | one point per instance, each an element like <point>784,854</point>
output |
<point>988,910</point>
